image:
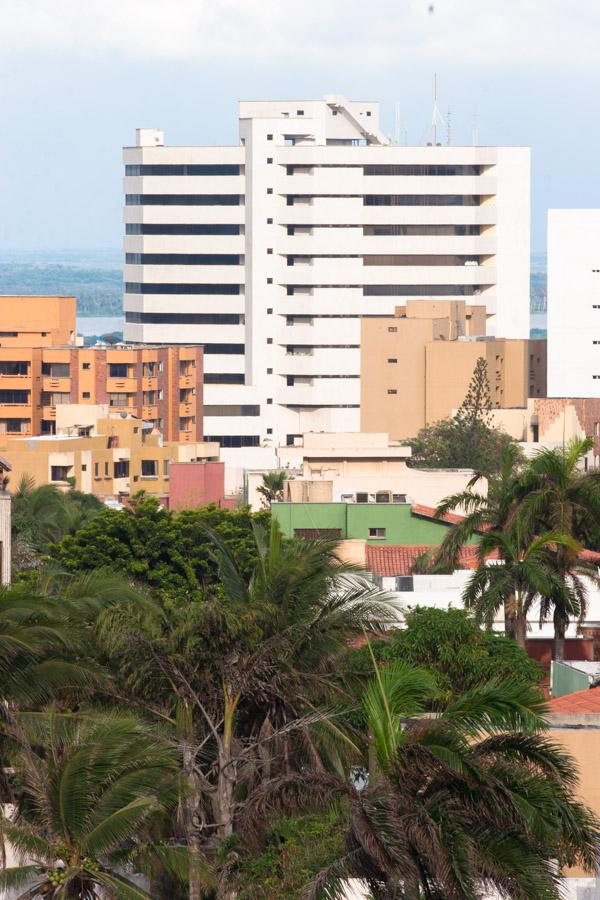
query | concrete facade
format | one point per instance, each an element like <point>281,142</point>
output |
<point>269,253</point>
<point>196,484</point>
<point>162,385</point>
<point>574,303</point>
<point>417,364</point>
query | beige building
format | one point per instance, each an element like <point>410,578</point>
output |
<point>416,365</point>
<point>113,458</point>
<point>356,468</point>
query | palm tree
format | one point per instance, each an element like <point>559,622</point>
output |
<point>455,807</point>
<point>240,676</point>
<point>272,487</point>
<point>557,494</point>
<point>88,792</point>
<point>523,575</point>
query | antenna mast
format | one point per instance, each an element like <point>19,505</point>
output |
<point>437,118</point>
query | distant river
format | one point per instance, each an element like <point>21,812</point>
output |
<point>99,324</point>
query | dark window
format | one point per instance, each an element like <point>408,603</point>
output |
<point>269,221</point>
<point>311,533</point>
<point>183,318</point>
<point>420,290</point>
<point>377,532</point>
<point>14,397</point>
<point>149,468</point>
<point>182,199</point>
<point>362,498</point>
<point>86,395</point>
<point>10,334</point>
<point>59,473</point>
<point>55,398</point>
<point>85,366</point>
<point>15,426</point>
<point>269,160</point>
<point>118,400</point>
<point>392,360</point>
<point>219,169</point>
<point>134,287</point>
<point>382,497</point>
<point>416,230</point>
<point>235,440</point>
<point>269,137</point>
<point>118,370</point>
<point>182,259</point>
<point>121,469</point>
<point>56,370</point>
<point>392,391</point>
<point>422,200</point>
<point>224,378</point>
<point>144,228</point>
<point>226,409</point>
<point>14,368</point>
<point>269,190</point>
<point>269,281</point>
<point>404,583</point>
<point>228,349</point>
<point>420,170</point>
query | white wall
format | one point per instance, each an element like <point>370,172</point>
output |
<point>573,294</point>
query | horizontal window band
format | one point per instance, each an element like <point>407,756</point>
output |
<point>420,290</point>
<point>182,259</point>
<point>185,169</point>
<point>234,440</point>
<point>147,228</point>
<point>136,287</point>
<point>151,318</point>
<point>183,199</point>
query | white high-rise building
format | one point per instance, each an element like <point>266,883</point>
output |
<point>574,303</point>
<point>269,253</point>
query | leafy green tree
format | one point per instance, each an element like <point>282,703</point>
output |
<point>240,676</point>
<point>271,488</point>
<point>525,573</point>
<point>558,494</point>
<point>88,790</point>
<point>471,802</point>
<point>452,646</point>
<point>170,553</point>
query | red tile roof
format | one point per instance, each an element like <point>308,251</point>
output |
<point>428,512</point>
<point>390,560</point>
<point>587,701</point>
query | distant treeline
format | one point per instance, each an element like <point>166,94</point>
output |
<point>99,291</point>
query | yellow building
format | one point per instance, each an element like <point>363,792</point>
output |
<point>37,321</point>
<point>114,458</point>
<point>416,365</point>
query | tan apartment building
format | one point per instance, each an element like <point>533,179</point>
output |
<point>417,364</point>
<point>114,458</point>
<point>161,385</point>
<point>37,321</point>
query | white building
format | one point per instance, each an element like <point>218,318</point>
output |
<point>574,303</point>
<point>270,252</point>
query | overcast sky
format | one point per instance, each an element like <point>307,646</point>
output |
<point>78,76</point>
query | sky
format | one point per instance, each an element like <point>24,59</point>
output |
<point>78,76</point>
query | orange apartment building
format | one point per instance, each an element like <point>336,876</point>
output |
<point>42,368</point>
<point>416,365</point>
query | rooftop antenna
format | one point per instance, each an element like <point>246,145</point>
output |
<point>448,128</point>
<point>436,117</point>
<point>397,129</point>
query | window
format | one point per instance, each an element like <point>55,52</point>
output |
<point>183,259</point>
<point>135,287</point>
<point>59,473</point>
<point>382,497</point>
<point>269,401</point>
<point>182,199</point>
<point>185,169</point>
<point>85,366</point>
<point>151,318</point>
<point>399,498</point>
<point>224,378</point>
<point>269,221</point>
<point>421,200</point>
<point>376,533</point>
<point>121,469</point>
<point>231,409</point>
<point>86,395</point>
<point>269,190</point>
<point>235,440</point>
<point>269,311</point>
<point>269,281</point>
<point>56,370</point>
<point>96,470</point>
<point>118,370</point>
<point>269,371</point>
<point>404,583</point>
<point>269,250</point>
<point>392,391</point>
<point>362,498</point>
<point>310,533</point>
<point>118,400</point>
<point>392,329</point>
<point>139,228</point>
<point>269,160</point>
<point>9,334</point>
<point>392,360</point>
<point>14,368</point>
<point>289,380</point>
<point>14,397</point>
<point>420,290</point>
<point>269,137</point>
<point>299,112</point>
<point>15,426</point>
<point>55,398</point>
<point>149,468</point>
<point>269,340</point>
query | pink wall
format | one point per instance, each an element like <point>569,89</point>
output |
<point>196,484</point>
